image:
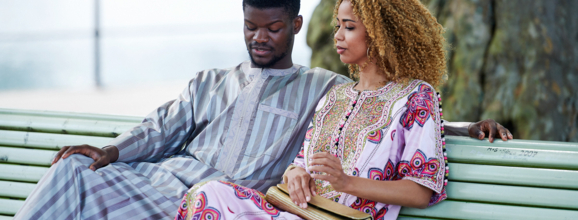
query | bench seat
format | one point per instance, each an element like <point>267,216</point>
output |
<point>518,179</point>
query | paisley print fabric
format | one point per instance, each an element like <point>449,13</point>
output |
<point>215,200</point>
<point>374,135</point>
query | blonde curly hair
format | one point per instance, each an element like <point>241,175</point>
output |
<point>403,37</point>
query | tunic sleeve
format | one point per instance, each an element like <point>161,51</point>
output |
<point>162,133</point>
<point>422,158</point>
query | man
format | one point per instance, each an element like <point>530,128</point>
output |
<point>243,125</point>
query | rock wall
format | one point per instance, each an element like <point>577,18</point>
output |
<point>515,61</point>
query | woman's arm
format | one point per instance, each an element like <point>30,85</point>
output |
<point>397,192</point>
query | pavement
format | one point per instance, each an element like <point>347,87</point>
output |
<point>134,100</point>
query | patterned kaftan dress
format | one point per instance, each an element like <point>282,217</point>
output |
<point>389,134</point>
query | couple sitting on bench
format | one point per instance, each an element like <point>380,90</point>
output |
<point>375,144</point>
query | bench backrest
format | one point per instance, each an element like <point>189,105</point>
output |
<point>518,179</point>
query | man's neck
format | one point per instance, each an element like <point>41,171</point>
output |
<point>281,67</point>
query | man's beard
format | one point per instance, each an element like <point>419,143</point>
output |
<point>273,60</point>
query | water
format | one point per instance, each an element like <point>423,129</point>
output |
<point>50,44</point>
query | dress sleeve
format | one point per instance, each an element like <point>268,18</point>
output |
<point>162,133</point>
<point>422,159</point>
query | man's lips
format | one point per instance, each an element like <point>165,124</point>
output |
<point>341,50</point>
<point>261,51</point>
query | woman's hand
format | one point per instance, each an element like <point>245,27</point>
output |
<point>301,186</point>
<point>331,166</point>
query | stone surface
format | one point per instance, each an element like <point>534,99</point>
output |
<point>511,60</point>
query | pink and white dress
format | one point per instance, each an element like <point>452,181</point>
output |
<point>388,134</point>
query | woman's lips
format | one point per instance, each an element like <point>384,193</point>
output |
<point>340,50</point>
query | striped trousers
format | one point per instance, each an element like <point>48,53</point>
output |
<point>118,191</point>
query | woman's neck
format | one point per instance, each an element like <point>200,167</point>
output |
<point>370,78</point>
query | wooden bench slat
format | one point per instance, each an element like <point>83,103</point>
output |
<point>26,156</point>
<point>15,189</point>
<point>53,114</point>
<point>10,206</point>
<point>522,176</point>
<point>512,156</point>
<point>48,141</point>
<point>468,210</point>
<point>515,195</point>
<point>64,125</point>
<point>516,143</point>
<point>21,173</point>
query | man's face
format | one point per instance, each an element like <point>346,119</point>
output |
<point>269,35</point>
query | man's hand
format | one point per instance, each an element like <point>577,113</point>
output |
<point>489,128</point>
<point>301,186</point>
<point>101,157</point>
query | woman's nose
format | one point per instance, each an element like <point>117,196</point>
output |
<point>338,35</point>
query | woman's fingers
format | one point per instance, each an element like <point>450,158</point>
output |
<point>297,193</point>
<point>306,192</point>
<point>312,186</point>
<point>325,159</point>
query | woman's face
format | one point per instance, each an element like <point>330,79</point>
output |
<point>350,36</point>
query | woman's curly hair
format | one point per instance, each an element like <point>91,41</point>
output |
<point>404,38</point>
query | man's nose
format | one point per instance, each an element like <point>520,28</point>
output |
<point>261,36</point>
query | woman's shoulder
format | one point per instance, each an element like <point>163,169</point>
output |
<point>411,88</point>
<point>342,87</point>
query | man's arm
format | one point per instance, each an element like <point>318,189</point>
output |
<point>162,133</point>
<point>485,128</point>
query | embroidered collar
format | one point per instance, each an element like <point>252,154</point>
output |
<point>351,92</point>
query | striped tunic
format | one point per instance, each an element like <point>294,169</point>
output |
<point>243,125</point>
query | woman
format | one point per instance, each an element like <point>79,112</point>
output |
<point>374,145</point>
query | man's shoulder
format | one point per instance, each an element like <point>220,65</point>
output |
<point>328,75</point>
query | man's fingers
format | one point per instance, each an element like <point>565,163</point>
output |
<point>503,133</point>
<point>59,154</point>
<point>481,135</point>
<point>97,164</point>
<point>70,151</point>
<point>491,129</point>
<point>510,136</point>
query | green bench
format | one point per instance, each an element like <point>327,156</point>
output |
<point>517,179</point>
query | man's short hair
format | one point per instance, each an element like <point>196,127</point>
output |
<point>290,6</point>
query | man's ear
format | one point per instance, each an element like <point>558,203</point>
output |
<point>297,24</point>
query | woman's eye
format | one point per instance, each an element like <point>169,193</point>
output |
<point>349,28</point>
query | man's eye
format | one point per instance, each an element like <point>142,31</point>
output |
<point>249,28</point>
<point>274,31</point>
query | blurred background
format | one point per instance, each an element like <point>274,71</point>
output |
<point>145,53</point>
<point>515,61</point>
